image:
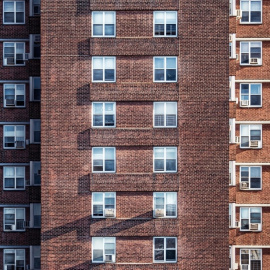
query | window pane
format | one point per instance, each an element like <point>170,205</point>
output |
<point>159,243</point>
<point>98,120</point>
<point>170,243</point>
<point>255,135</point>
<point>171,198</point>
<point>98,17</point>
<point>245,213</point>
<point>97,210</point>
<point>98,63</point>
<point>9,6</point>
<point>109,153</point>
<point>255,89</point>
<point>109,17</point>
<point>98,153</point>
<point>109,165</point>
<point>98,29</point>
<point>159,62</point>
<point>159,108</point>
<point>170,255</point>
<point>20,214</point>
<point>244,130</point>
<point>244,47</point>
<point>255,172</point>
<point>171,63</point>
<point>159,165</point>
<point>170,75</point>
<point>159,75</point>
<point>109,29</point>
<point>109,74</point>
<point>255,254</point>
<point>159,152</point>
<point>159,17</point>
<point>109,63</point>
<point>98,108</point>
<point>171,153</point>
<point>159,255</point>
<point>170,17</point>
<point>9,258</point>
<point>171,108</point>
<point>19,6</point>
<point>159,29</point>
<point>255,218</point>
<point>98,255</point>
<point>170,165</point>
<point>245,5</point>
<point>255,16</point>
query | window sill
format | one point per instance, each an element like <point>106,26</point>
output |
<point>248,23</point>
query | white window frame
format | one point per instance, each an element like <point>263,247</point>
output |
<point>249,177</point>
<point>32,88</point>
<point>104,114</point>
<point>249,257</point>
<point>103,23</point>
<point>232,44</point>
<point>32,8</point>
<point>251,127</point>
<point>249,95</point>
<point>103,159</point>
<point>5,62</point>
<point>34,40</point>
<point>249,22</point>
<point>14,229</point>
<point>232,130</point>
<point>103,68</point>
<point>165,23</point>
<point>13,251</point>
<point>15,177</point>
<point>15,3</point>
<point>232,10</point>
<point>105,241</point>
<point>103,204</point>
<point>165,114</point>
<point>165,69</point>
<point>165,249</point>
<point>232,173</point>
<point>165,194</point>
<point>249,218</point>
<point>32,130</point>
<point>232,215</point>
<point>232,88</point>
<point>16,90</point>
<point>250,43</point>
<point>32,172</point>
<point>34,253</point>
<point>33,208</point>
<point>15,137</point>
<point>164,159</point>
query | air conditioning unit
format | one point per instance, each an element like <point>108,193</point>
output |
<point>108,258</point>
<point>244,102</point>
<point>10,102</point>
<point>237,224</point>
<point>237,139</point>
<point>244,185</point>
<point>9,61</point>
<point>239,14</point>
<point>159,213</point>
<point>10,227</point>
<point>109,212</point>
<point>26,56</point>
<point>244,266</point>
<point>26,224</point>
<point>19,144</point>
<point>254,61</point>
<point>230,38</point>
<point>254,226</point>
<point>254,143</point>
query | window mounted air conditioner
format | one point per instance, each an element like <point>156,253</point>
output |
<point>108,258</point>
<point>26,224</point>
<point>9,61</point>
<point>19,144</point>
<point>254,143</point>
<point>26,56</point>
<point>159,213</point>
<point>109,212</point>
<point>254,226</point>
<point>244,102</point>
<point>244,266</point>
<point>239,13</point>
<point>10,102</point>
<point>237,139</point>
<point>237,224</point>
<point>244,185</point>
<point>10,227</point>
<point>254,61</point>
<point>230,38</point>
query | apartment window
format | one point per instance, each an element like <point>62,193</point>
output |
<point>35,258</point>
<point>250,177</point>
<point>232,88</point>
<point>35,46</point>
<point>165,249</point>
<point>14,259</point>
<point>34,7</point>
<point>103,114</point>
<point>251,11</point>
<point>165,159</point>
<point>35,130</point>
<point>35,209</point>
<point>14,178</point>
<point>14,53</point>
<point>230,215</point>
<point>251,53</point>
<point>232,46</point>
<point>103,69</point>
<point>35,88</point>
<point>165,69</point>
<point>251,218</point>
<point>251,94</point>
<point>165,23</point>
<point>231,172</point>
<point>251,259</point>
<point>13,12</point>
<point>103,204</point>
<point>251,136</point>
<point>14,219</point>
<point>103,159</point>
<point>103,23</point>
<point>232,7</point>
<point>165,114</point>
<point>103,249</point>
<point>14,137</point>
<point>230,257</point>
<point>165,204</point>
<point>14,95</point>
<point>232,130</point>
<point>35,169</point>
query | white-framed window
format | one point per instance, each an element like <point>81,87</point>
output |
<point>232,46</point>
<point>14,219</point>
<point>103,250</point>
<point>14,95</point>
<point>165,23</point>
<point>34,7</point>
<point>14,137</point>
<point>165,204</point>
<point>165,114</point>
<point>251,136</point>
<point>165,249</point>
<point>165,69</point>
<point>232,173</point>
<point>34,130</point>
<point>232,130</point>
<point>230,216</point>
<point>251,218</point>
<point>251,94</point>
<point>35,258</point>
<point>14,178</point>
<point>232,223</point>
<point>14,53</point>
<point>103,23</point>
<point>230,257</point>
<point>251,259</point>
<point>232,7</point>
<point>35,88</point>
<point>251,11</point>
<point>103,114</point>
<point>165,159</point>
<point>103,69</point>
<point>251,177</point>
<point>35,173</point>
<point>103,159</point>
<point>251,53</point>
<point>35,46</point>
<point>13,12</point>
<point>14,259</point>
<point>103,204</point>
<point>35,215</point>
<point>232,88</point>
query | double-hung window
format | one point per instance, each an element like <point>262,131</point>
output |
<point>103,204</point>
<point>103,249</point>
<point>14,219</point>
<point>103,159</point>
<point>165,23</point>
<point>103,69</point>
<point>103,114</point>
<point>34,7</point>
<point>14,178</point>
<point>251,94</point>
<point>103,24</point>
<point>251,136</point>
<point>35,130</point>
<point>231,173</point>
<point>35,258</point>
<point>35,175</point>
<point>251,53</point>
<point>251,259</point>
<point>165,204</point>
<point>251,11</point>
<point>35,46</point>
<point>251,177</point>
<point>14,12</point>
<point>165,159</point>
<point>14,137</point>
<point>232,46</point>
<point>35,88</point>
<point>165,114</point>
<point>35,210</point>
<point>251,218</point>
<point>14,95</point>
<point>165,69</point>
<point>14,259</point>
<point>232,88</point>
<point>14,53</point>
<point>165,249</point>
<point>232,7</point>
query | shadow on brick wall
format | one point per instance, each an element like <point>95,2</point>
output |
<point>84,185</point>
<point>83,140</point>
<point>83,95</point>
<point>83,266</point>
<point>83,49</point>
<point>83,7</point>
